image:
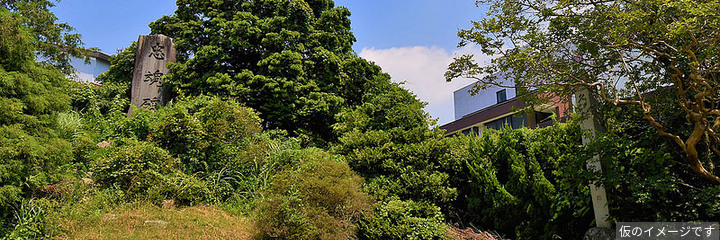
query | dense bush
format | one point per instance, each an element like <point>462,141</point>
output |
<point>145,171</point>
<point>32,94</point>
<point>398,219</point>
<point>646,176</point>
<point>205,133</point>
<point>317,196</point>
<point>388,140</point>
<point>110,98</point>
<point>214,147</point>
<point>524,182</point>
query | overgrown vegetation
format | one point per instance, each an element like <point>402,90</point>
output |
<point>316,196</point>
<point>232,150</point>
<point>526,183</point>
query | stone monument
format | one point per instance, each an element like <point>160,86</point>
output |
<point>153,54</point>
<point>586,103</point>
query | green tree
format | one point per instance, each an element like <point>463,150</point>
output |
<point>291,60</point>
<point>55,42</point>
<point>31,96</point>
<point>645,176</point>
<point>621,50</point>
<point>388,140</point>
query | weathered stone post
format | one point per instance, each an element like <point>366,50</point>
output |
<point>154,52</point>
<point>586,105</point>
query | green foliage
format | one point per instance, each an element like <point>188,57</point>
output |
<point>15,42</point>
<point>644,179</point>
<point>397,219</point>
<point>30,222</point>
<point>113,96</point>
<point>622,51</point>
<point>121,68</point>
<point>212,145</point>
<point>215,145</point>
<point>204,133</point>
<point>525,182</point>
<point>133,166</point>
<point>31,96</point>
<point>106,100</point>
<point>144,171</point>
<point>29,162</point>
<point>242,181</point>
<point>316,196</point>
<point>388,141</point>
<point>561,43</point>
<point>291,60</point>
<point>68,125</point>
<point>52,40</point>
<point>30,92</point>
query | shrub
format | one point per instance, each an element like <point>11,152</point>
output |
<point>31,96</point>
<point>185,190</point>
<point>133,166</point>
<point>645,175</point>
<point>212,138</point>
<point>523,183</point>
<point>318,197</point>
<point>103,100</point>
<point>146,171</point>
<point>388,140</point>
<point>397,219</point>
<point>27,163</point>
<point>206,138</point>
<point>647,180</point>
<point>204,133</point>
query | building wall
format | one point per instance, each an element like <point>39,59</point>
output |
<point>465,103</point>
<point>87,72</point>
<point>475,113</point>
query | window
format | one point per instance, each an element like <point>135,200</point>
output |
<point>542,116</point>
<point>510,121</point>
<point>501,96</point>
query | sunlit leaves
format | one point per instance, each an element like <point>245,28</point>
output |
<point>284,58</point>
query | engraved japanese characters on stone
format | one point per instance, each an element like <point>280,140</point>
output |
<point>153,54</point>
<point>150,103</point>
<point>157,52</point>
<point>154,77</point>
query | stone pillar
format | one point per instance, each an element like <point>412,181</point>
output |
<point>586,104</point>
<point>154,52</point>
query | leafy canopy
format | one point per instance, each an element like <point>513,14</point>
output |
<point>54,41</point>
<point>31,96</point>
<point>621,50</point>
<point>291,60</point>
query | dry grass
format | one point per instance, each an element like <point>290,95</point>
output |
<point>128,222</point>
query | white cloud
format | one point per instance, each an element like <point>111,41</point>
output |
<point>423,69</point>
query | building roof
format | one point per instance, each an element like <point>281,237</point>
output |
<point>100,55</point>
<point>485,114</point>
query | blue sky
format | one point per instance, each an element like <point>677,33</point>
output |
<point>412,40</point>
